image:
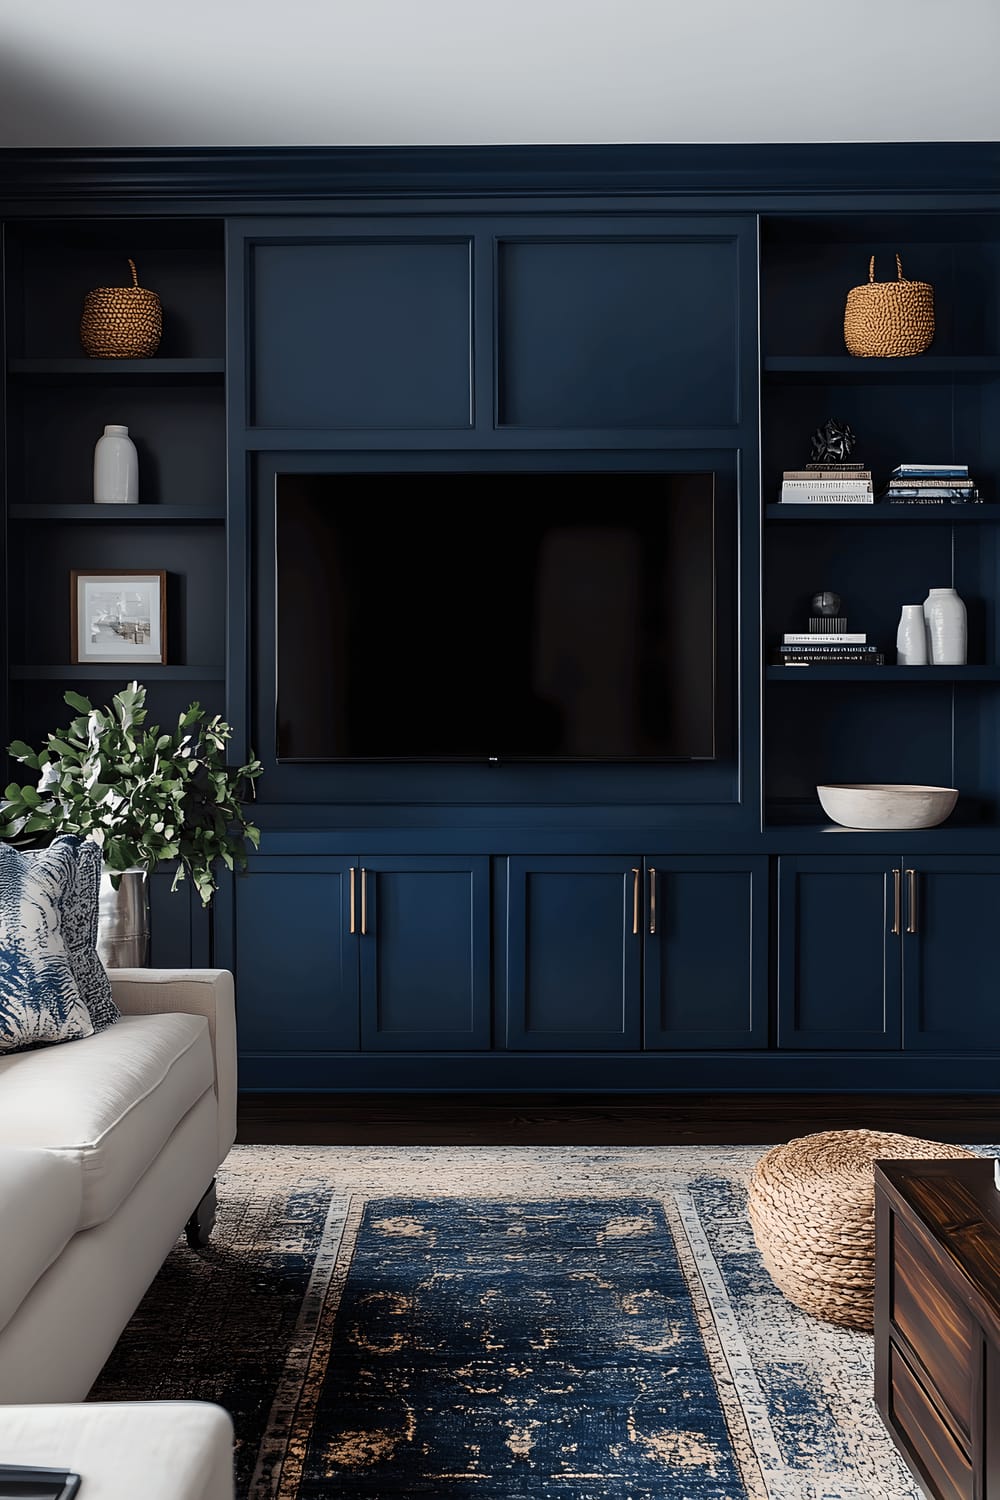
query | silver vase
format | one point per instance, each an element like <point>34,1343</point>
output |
<point>123,921</point>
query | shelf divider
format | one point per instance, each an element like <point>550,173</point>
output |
<point>846,672</point>
<point>884,514</point>
<point>112,671</point>
<point>91,514</point>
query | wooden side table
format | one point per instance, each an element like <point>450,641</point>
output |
<point>937,1322</point>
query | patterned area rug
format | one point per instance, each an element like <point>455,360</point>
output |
<point>577,1322</point>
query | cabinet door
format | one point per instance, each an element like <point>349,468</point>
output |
<point>425,953</point>
<point>839,959</point>
<point>951,952</point>
<point>705,952</point>
<point>297,960</point>
<point>573,949</point>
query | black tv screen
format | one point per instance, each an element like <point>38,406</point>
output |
<point>496,617</point>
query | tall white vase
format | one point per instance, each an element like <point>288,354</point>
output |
<point>945,614</point>
<point>116,469</point>
<point>911,637</point>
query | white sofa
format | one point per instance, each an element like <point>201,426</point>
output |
<point>107,1146</point>
<point>126,1450</point>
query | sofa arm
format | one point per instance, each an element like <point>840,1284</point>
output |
<point>191,992</point>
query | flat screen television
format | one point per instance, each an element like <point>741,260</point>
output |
<point>496,617</point>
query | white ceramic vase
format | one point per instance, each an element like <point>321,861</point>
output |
<point>945,614</point>
<point>116,469</point>
<point>911,637</point>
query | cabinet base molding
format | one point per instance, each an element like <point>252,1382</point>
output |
<point>603,1072</point>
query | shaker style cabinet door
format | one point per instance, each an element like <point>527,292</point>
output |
<point>574,942</point>
<point>297,961</point>
<point>424,942</point>
<point>839,953</point>
<point>705,952</point>
<point>951,953</point>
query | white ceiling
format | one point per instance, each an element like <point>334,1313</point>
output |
<point>410,72</point>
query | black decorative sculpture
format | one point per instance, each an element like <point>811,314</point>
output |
<point>832,443</point>
<point>826,603</point>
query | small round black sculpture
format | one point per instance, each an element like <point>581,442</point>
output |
<point>826,603</point>
<point>832,443</point>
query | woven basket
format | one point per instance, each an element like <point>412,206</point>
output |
<point>121,322</point>
<point>812,1210</point>
<point>889,318</point>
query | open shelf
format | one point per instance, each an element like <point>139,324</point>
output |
<point>96,514</point>
<point>933,367</point>
<point>110,671</point>
<point>149,371</point>
<point>846,672</point>
<point>884,513</point>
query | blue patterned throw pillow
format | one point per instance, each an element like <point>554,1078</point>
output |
<point>40,1000</point>
<point>80,912</point>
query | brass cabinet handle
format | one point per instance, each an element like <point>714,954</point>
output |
<point>352,899</point>
<point>652,902</point>
<point>911,904</point>
<point>364,901</point>
<point>897,902</point>
<point>635,900</point>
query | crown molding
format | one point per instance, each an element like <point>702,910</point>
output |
<point>274,173</point>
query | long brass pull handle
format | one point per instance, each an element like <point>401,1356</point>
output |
<point>911,895</point>
<point>652,902</point>
<point>364,902</point>
<point>897,902</point>
<point>353,924</point>
<point>635,900</point>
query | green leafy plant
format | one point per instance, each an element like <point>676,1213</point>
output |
<point>142,794</point>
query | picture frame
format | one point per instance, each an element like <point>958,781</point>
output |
<point>118,615</point>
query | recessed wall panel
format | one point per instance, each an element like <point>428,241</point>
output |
<point>619,333</point>
<point>361,334</point>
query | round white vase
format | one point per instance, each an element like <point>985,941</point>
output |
<point>911,637</point>
<point>116,468</point>
<point>945,614</point>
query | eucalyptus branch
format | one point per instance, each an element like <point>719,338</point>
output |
<point>144,795</point>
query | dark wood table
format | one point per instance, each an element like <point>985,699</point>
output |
<point>937,1322</point>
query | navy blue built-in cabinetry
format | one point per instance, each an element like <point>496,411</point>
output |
<point>919,968</point>
<point>540,316</point>
<point>368,952</point>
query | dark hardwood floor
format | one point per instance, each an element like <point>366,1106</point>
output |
<point>622,1120</point>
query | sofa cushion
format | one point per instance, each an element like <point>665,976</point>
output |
<point>109,1101</point>
<point>41,1194</point>
<point>40,1001</point>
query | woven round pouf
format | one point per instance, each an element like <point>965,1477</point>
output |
<point>812,1208</point>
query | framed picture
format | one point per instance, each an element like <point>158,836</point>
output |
<point>119,615</point>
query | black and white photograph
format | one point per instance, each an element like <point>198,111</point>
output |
<point>118,616</point>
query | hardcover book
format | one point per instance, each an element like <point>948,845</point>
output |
<point>826,474</point>
<point>831,638</point>
<point>876,659</point>
<point>824,650</point>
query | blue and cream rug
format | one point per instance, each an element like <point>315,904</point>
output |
<point>488,1323</point>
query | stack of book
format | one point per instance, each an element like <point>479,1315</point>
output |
<point>828,484</point>
<point>932,484</point>
<point>808,648</point>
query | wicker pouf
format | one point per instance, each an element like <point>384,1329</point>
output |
<point>812,1208</point>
